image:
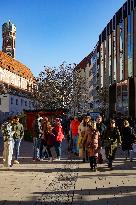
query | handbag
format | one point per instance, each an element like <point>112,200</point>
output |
<point>134,147</point>
<point>102,151</point>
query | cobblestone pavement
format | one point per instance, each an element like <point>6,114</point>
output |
<point>66,182</point>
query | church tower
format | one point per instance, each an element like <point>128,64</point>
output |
<point>9,36</point>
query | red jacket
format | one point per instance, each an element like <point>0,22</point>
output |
<point>74,127</point>
<point>58,132</point>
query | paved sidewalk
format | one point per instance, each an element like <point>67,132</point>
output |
<point>116,187</point>
<point>66,182</point>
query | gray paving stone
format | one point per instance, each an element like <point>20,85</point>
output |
<point>67,182</point>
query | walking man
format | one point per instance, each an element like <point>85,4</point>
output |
<point>37,134</point>
<point>101,128</point>
<point>18,136</point>
<point>111,140</point>
<point>74,130</point>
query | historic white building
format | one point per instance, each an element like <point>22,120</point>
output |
<point>17,85</point>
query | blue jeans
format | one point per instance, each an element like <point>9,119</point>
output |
<point>75,141</point>
<point>16,147</point>
<point>36,148</point>
<point>58,148</point>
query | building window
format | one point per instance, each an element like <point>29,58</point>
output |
<point>90,72</point>
<point>11,100</point>
<point>22,102</point>
<point>16,101</point>
<point>29,103</point>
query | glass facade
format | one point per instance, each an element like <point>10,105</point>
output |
<point>110,71</point>
<point>114,56</point>
<point>121,24</point>
<point>122,98</point>
<point>130,47</point>
<point>125,98</point>
<point>101,63</point>
<point>119,100</point>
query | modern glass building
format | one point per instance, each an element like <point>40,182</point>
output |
<point>115,64</point>
<point>117,49</point>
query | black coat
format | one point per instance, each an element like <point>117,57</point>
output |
<point>127,138</point>
<point>101,128</point>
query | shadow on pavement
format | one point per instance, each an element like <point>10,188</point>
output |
<point>100,170</point>
<point>115,200</point>
<point>103,196</point>
<point>97,191</point>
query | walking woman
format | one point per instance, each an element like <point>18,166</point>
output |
<point>59,136</point>
<point>74,131</point>
<point>111,140</point>
<point>82,128</point>
<point>7,132</point>
<point>46,132</point>
<point>127,138</point>
<point>92,140</point>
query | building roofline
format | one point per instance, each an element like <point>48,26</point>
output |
<point>9,63</point>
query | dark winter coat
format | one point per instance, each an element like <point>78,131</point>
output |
<point>101,128</point>
<point>37,129</point>
<point>127,138</point>
<point>111,140</point>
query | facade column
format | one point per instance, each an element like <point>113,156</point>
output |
<point>134,52</point>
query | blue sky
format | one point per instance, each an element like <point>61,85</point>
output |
<point>52,31</point>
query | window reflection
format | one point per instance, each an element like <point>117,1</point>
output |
<point>130,46</point>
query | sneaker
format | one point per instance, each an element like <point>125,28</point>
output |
<point>38,159</point>
<point>50,159</point>
<point>83,160</point>
<point>125,159</point>
<point>16,162</point>
<point>57,159</point>
<point>76,154</point>
<point>111,168</point>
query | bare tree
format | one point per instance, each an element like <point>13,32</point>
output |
<point>60,87</point>
<point>103,94</point>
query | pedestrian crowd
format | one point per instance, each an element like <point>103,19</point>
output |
<point>46,136</point>
<point>96,142</point>
<point>91,140</point>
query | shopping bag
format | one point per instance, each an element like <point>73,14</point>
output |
<point>102,151</point>
<point>134,147</point>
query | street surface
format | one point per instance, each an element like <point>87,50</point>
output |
<point>68,181</point>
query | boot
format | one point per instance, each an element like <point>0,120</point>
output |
<point>91,163</point>
<point>110,164</point>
